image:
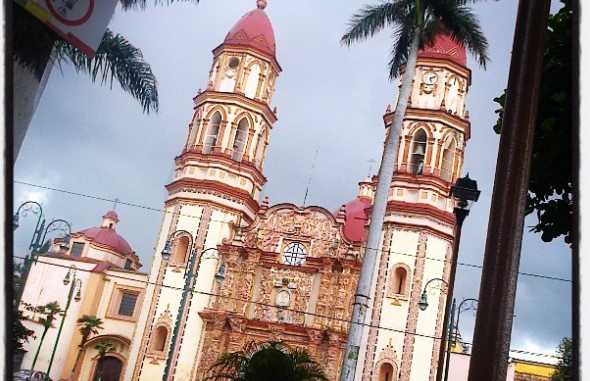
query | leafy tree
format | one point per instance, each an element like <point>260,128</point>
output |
<point>103,348</point>
<point>89,325</point>
<point>20,333</point>
<point>564,371</point>
<point>50,312</point>
<point>551,179</point>
<point>416,24</point>
<point>266,362</point>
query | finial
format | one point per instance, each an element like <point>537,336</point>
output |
<point>261,4</point>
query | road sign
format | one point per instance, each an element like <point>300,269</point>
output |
<point>82,23</point>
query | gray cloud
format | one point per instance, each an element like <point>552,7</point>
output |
<point>94,140</point>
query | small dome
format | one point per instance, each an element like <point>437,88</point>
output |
<point>111,215</point>
<point>108,237</point>
<point>356,218</point>
<point>254,30</point>
<point>444,47</point>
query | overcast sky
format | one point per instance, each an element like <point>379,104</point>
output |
<point>93,140</point>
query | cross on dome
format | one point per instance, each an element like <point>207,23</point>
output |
<point>261,4</point>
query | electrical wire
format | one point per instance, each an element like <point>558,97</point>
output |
<point>147,282</point>
<point>135,205</point>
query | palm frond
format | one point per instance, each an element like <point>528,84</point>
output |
<point>116,59</point>
<point>463,26</point>
<point>142,4</point>
<point>373,18</point>
<point>402,39</point>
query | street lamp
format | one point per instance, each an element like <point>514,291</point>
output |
<point>39,236</point>
<point>464,194</point>
<point>423,303</point>
<point>190,274</point>
<point>76,284</point>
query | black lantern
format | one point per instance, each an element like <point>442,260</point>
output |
<point>167,251</point>
<point>465,192</point>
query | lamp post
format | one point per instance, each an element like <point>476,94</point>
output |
<point>190,275</point>
<point>464,193</point>
<point>39,236</point>
<point>423,303</point>
<point>76,283</point>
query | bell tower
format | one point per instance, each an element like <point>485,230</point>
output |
<point>418,232</point>
<point>216,187</point>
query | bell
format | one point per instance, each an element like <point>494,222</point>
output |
<point>419,149</point>
<point>220,274</point>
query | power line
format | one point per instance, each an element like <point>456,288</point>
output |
<point>147,282</point>
<point>135,205</point>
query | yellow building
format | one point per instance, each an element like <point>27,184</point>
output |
<point>97,272</point>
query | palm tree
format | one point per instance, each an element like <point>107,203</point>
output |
<point>35,46</point>
<point>266,362</point>
<point>89,325</point>
<point>416,24</point>
<point>103,348</point>
<point>50,312</point>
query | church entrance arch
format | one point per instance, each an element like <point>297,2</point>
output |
<point>108,368</point>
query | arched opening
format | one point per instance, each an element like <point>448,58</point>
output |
<point>260,145</point>
<point>399,280</point>
<point>386,372</point>
<point>240,140</point>
<point>212,132</point>
<point>108,368</point>
<point>452,100</point>
<point>418,152</point>
<point>181,249</point>
<point>446,170</point>
<point>228,82</point>
<point>252,82</point>
<point>160,337</point>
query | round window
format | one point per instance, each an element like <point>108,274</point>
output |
<point>295,254</point>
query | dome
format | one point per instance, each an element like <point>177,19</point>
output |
<point>356,218</point>
<point>254,30</point>
<point>107,237</point>
<point>444,47</point>
<point>112,215</point>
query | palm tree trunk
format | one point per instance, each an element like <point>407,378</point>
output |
<point>78,363</point>
<point>39,348</point>
<point>365,283</point>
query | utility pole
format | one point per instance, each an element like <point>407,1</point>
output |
<point>493,326</point>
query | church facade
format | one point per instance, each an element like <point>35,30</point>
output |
<point>230,269</point>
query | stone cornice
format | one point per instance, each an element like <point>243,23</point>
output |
<point>224,159</point>
<point>214,187</point>
<point>236,99</point>
<point>419,114</point>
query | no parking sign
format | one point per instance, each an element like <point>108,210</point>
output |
<point>80,22</point>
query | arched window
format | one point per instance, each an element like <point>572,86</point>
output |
<point>212,132</point>
<point>386,372</point>
<point>228,81</point>
<point>240,140</point>
<point>418,152</point>
<point>399,281</point>
<point>260,145</point>
<point>159,339</point>
<point>252,81</point>
<point>295,254</point>
<point>449,148</point>
<point>180,251</point>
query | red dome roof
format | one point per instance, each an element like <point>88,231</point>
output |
<point>253,30</point>
<point>444,47</point>
<point>356,218</point>
<point>108,237</point>
<point>112,215</point>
